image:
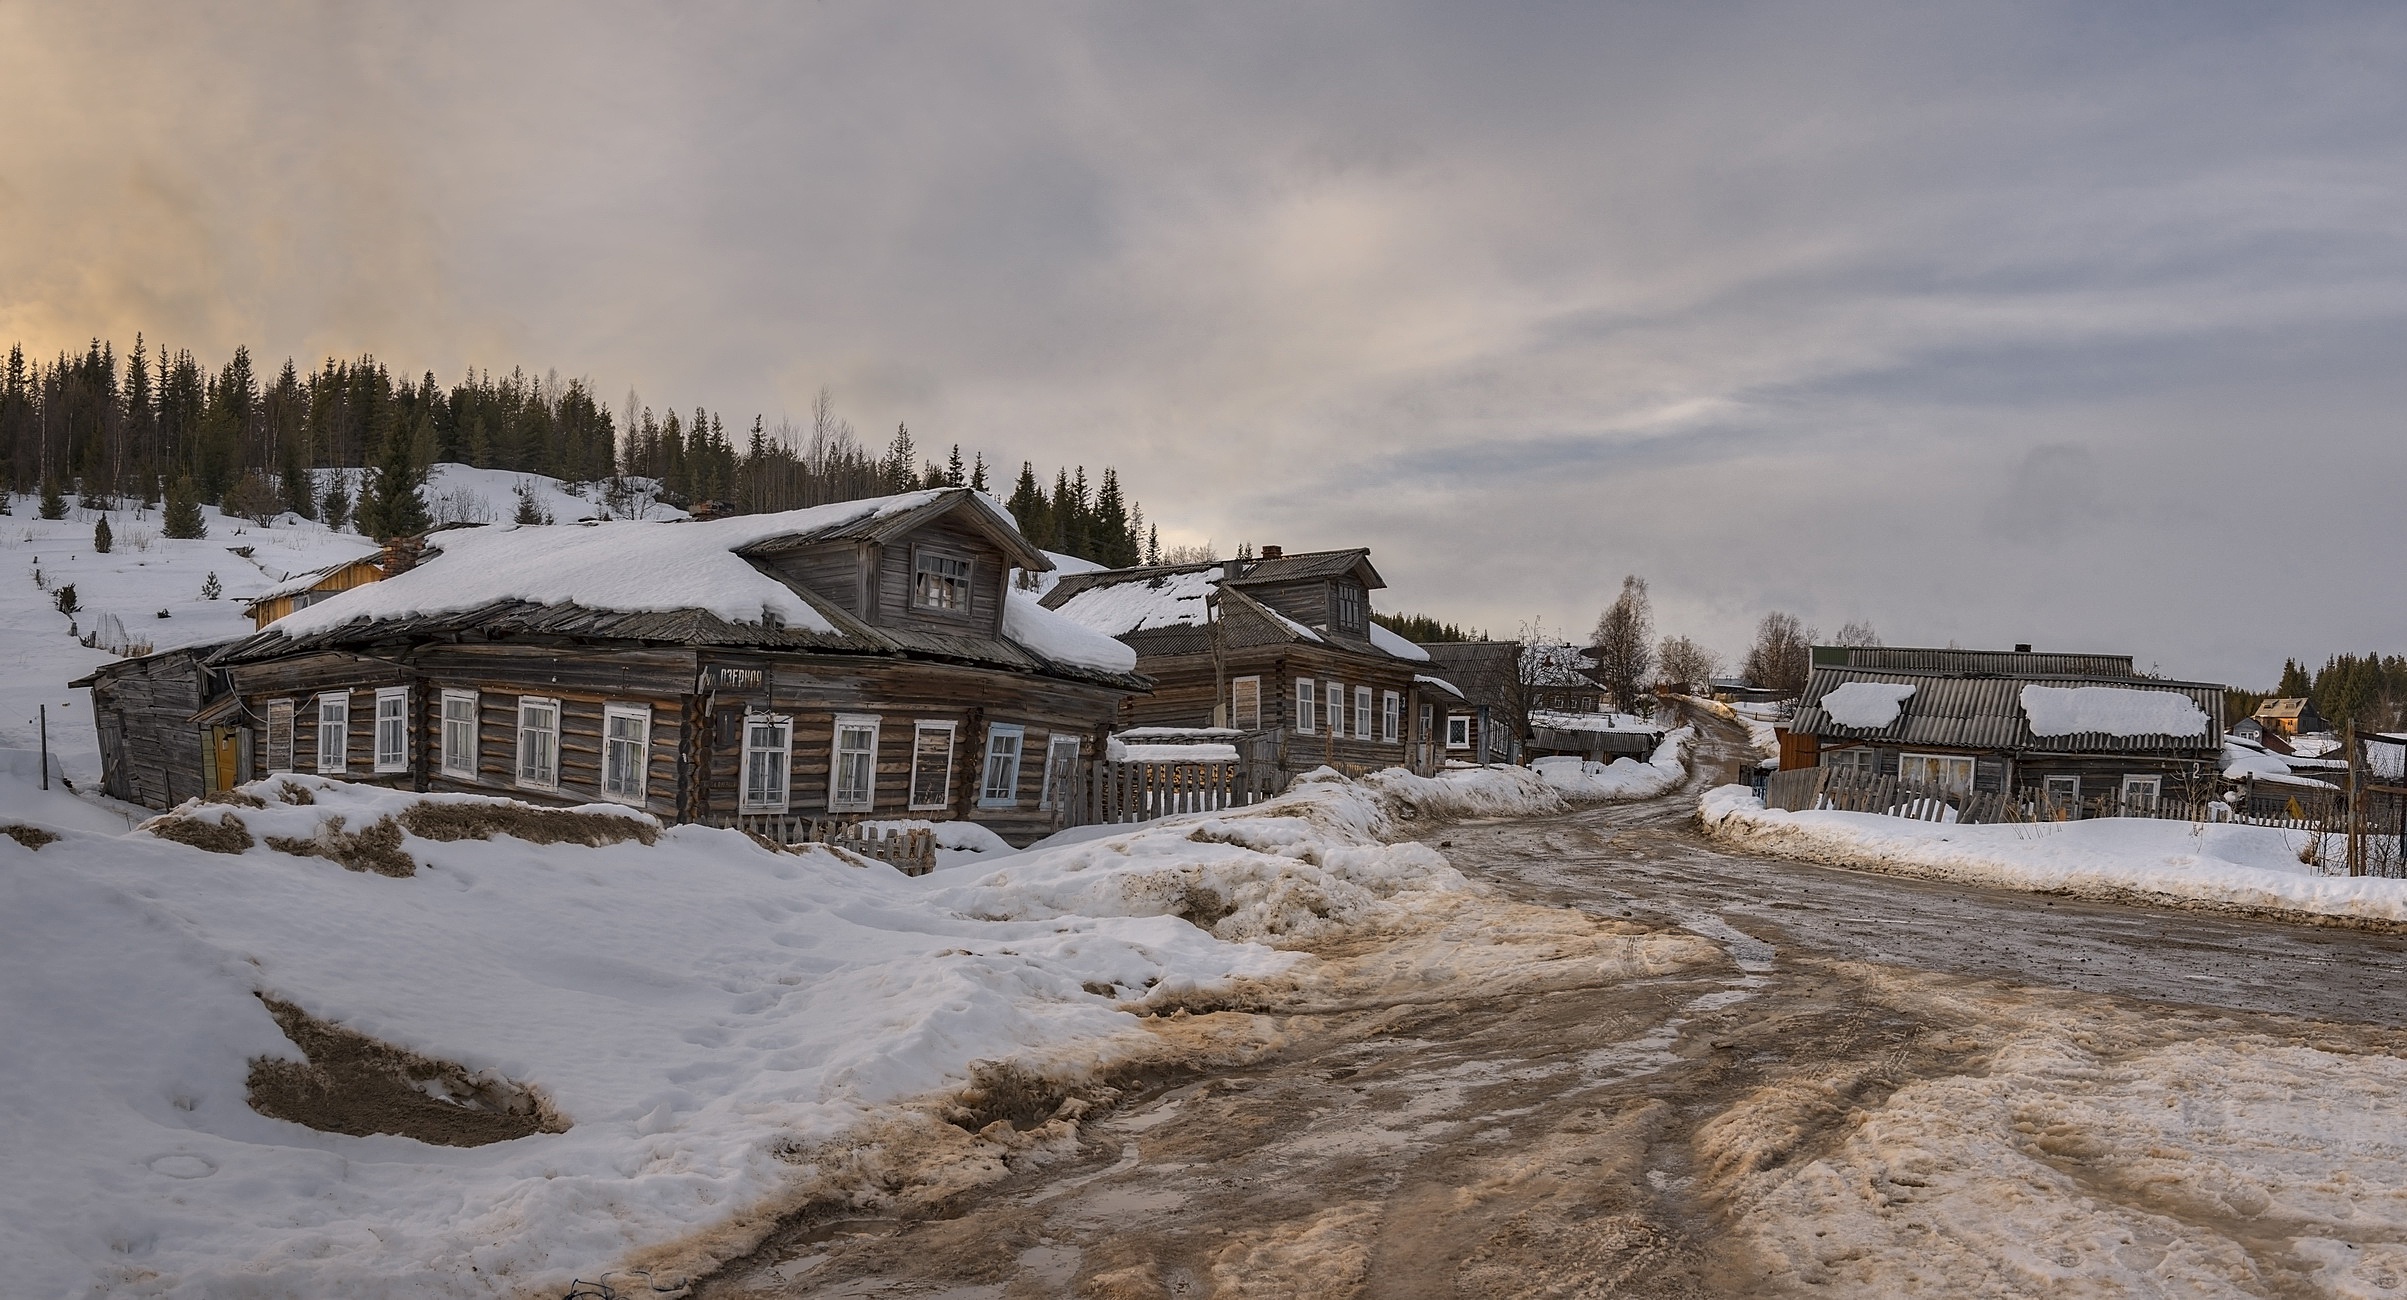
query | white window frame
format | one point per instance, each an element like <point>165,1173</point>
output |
<point>1939,765</point>
<point>1051,792</point>
<point>1307,705</point>
<point>623,789</point>
<point>339,733</point>
<point>1333,707</point>
<point>2153,784</point>
<point>987,784</point>
<point>460,760</point>
<point>2072,780</point>
<point>944,786</point>
<point>280,716</point>
<point>1245,703</point>
<point>1853,758</point>
<point>1458,722</point>
<point>779,747</point>
<point>393,727</point>
<point>1391,715</point>
<point>1362,713</point>
<point>866,797</point>
<point>546,776</point>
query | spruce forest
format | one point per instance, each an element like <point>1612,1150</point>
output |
<point>145,427</point>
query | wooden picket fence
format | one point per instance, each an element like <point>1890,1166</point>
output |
<point>1843,790</point>
<point>1115,793</point>
<point>912,852</point>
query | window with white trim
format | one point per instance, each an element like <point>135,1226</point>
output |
<point>931,765</point>
<point>1391,715</point>
<point>1306,706</point>
<point>1245,703</point>
<point>459,734</point>
<point>1458,731</point>
<point>2063,789</point>
<point>334,733</point>
<point>940,581</point>
<point>279,735</point>
<point>1061,767</point>
<point>852,777</point>
<point>2141,793</point>
<point>1949,772</point>
<point>1336,710</point>
<point>1362,713</point>
<point>1859,759</point>
<point>626,751</point>
<point>999,780</point>
<point>768,750</point>
<point>393,729</point>
<point>538,743</point>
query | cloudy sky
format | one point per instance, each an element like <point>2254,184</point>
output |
<point>2080,325</point>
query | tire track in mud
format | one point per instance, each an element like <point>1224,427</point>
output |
<point>1649,1134</point>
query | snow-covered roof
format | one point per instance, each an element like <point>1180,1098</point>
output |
<point>1440,683</point>
<point>1869,705</point>
<point>297,583</point>
<point>1169,597</point>
<point>1397,645</point>
<point>560,574</point>
<point>623,566</point>
<point>2111,711</point>
<point>1561,720</point>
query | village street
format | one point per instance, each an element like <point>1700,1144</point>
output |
<point>1885,1087</point>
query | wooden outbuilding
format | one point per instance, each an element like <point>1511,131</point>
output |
<point>2291,717</point>
<point>303,590</point>
<point>861,660</point>
<point>1280,648</point>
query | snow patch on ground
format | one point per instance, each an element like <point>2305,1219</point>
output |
<point>2220,865</point>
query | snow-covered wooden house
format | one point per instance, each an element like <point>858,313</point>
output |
<point>2077,730</point>
<point>865,659</point>
<point>303,590</point>
<point>1281,648</point>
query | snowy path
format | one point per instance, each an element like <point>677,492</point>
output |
<point>1882,1086</point>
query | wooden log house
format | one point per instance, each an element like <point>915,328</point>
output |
<point>1968,723</point>
<point>1280,648</point>
<point>860,660</point>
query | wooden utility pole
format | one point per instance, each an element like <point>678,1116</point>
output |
<point>2356,806</point>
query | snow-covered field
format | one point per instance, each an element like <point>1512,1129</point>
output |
<point>2215,865</point>
<point>711,1019</point>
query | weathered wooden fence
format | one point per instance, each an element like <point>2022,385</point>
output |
<point>1844,790</point>
<point>1113,793</point>
<point>910,851</point>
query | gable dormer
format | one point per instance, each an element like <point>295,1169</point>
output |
<point>939,567</point>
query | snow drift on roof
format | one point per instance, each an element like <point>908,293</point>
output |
<point>295,584</point>
<point>1163,600</point>
<point>623,567</point>
<point>1868,706</point>
<point>1062,640</point>
<point>1440,683</point>
<point>1396,645</point>
<point>2111,710</point>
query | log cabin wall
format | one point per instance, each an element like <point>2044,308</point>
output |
<point>811,691</point>
<point>831,571</point>
<point>1307,602</point>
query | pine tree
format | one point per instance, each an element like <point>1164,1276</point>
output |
<point>2295,685</point>
<point>952,471</point>
<point>100,536</point>
<point>183,518</point>
<point>1153,546</point>
<point>54,505</point>
<point>335,506</point>
<point>389,502</point>
<point>977,474</point>
<point>1028,507</point>
<point>530,511</point>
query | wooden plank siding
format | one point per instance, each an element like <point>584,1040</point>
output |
<point>694,734</point>
<point>1186,689</point>
<point>150,749</point>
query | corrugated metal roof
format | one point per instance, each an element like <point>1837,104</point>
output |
<point>1973,661</point>
<point>1985,712</point>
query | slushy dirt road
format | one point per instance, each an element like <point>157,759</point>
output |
<point>1866,1086</point>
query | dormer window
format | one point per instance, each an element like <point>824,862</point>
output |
<point>1351,613</point>
<point>940,582</point>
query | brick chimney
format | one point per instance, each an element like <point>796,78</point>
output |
<point>1273,552</point>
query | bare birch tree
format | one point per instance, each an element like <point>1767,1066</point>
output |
<point>1687,664</point>
<point>1625,643</point>
<point>1782,653</point>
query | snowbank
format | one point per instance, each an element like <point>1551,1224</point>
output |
<point>2224,866</point>
<point>692,1008</point>
<point>1550,785</point>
